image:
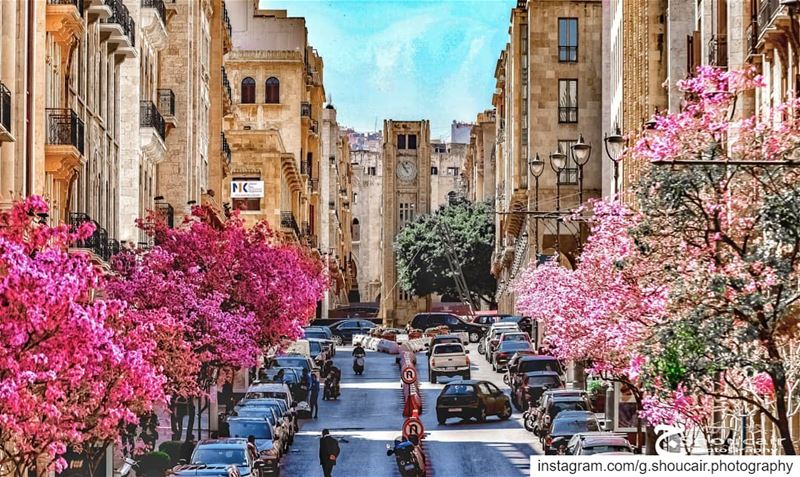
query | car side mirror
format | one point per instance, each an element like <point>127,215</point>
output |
<point>466,351</point>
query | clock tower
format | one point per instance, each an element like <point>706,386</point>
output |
<point>406,194</point>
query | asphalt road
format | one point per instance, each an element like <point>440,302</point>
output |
<point>368,415</point>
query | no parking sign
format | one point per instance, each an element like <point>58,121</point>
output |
<point>413,427</point>
<point>408,374</point>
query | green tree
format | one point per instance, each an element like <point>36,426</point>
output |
<point>422,266</point>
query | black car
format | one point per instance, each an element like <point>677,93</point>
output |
<point>505,350</point>
<point>526,364</point>
<point>344,330</point>
<point>472,400</point>
<point>565,425</point>
<point>204,470</point>
<point>532,386</point>
<point>423,321</point>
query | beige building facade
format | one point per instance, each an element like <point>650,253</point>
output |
<point>481,159</point>
<point>447,172</point>
<point>367,229</point>
<point>406,192</point>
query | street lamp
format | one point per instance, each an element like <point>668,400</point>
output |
<point>581,152</point>
<point>614,146</point>
<point>558,161</point>
<point>536,166</point>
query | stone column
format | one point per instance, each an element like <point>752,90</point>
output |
<point>9,46</point>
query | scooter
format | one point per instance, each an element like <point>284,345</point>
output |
<point>529,417</point>
<point>358,365</point>
<point>409,458</point>
<point>331,388</point>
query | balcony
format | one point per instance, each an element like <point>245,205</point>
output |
<point>121,29</point>
<point>227,37</point>
<point>97,9</point>
<point>289,224</point>
<point>305,109</point>
<point>64,18</point>
<point>5,114</point>
<point>98,243</point>
<point>769,28</point>
<point>227,95</point>
<point>64,129</point>
<point>166,106</point>
<point>226,149</point>
<point>313,186</point>
<point>152,132</point>
<point>718,51</point>
<point>154,23</point>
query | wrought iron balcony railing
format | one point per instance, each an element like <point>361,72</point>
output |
<point>226,149</point>
<point>98,242</point>
<point>76,3</point>
<point>64,127</point>
<point>313,186</point>
<point>166,102</point>
<point>226,20</point>
<point>305,109</point>
<point>226,84</point>
<point>766,12</point>
<point>121,16</point>
<point>5,108</point>
<point>288,222</point>
<point>149,117</point>
<point>158,5</point>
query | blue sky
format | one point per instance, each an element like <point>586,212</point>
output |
<point>407,59</point>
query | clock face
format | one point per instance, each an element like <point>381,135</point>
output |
<point>406,171</point>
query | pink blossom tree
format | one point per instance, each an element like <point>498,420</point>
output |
<point>68,376</point>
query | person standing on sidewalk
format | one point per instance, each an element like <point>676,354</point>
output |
<point>313,396</point>
<point>328,452</point>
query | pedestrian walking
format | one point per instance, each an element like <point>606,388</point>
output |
<point>149,433</point>
<point>179,411</point>
<point>313,396</point>
<point>305,383</point>
<point>252,448</point>
<point>328,452</point>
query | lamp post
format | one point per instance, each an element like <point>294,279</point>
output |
<point>536,166</point>
<point>558,161</point>
<point>614,145</point>
<point>581,152</point>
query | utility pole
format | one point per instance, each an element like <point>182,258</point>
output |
<point>455,268</point>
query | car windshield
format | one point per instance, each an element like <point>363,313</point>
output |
<point>315,347</point>
<point>559,406</point>
<point>448,348</point>
<point>315,334</point>
<point>291,362</point>
<point>515,337</point>
<point>265,394</point>
<point>510,319</point>
<point>450,339</point>
<point>289,375</point>
<point>528,365</point>
<point>227,456</point>
<point>540,381</point>
<point>574,426</point>
<point>514,345</point>
<point>458,390</point>
<point>257,411</point>
<point>260,430</point>
<point>603,449</point>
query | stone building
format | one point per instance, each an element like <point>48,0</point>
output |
<point>480,160</point>
<point>406,193</point>
<point>367,219</point>
<point>273,128</point>
<point>541,111</point>
<point>446,173</point>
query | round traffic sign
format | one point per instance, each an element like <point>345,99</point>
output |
<point>413,427</point>
<point>408,374</point>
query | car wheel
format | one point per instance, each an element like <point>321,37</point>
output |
<point>474,337</point>
<point>338,340</point>
<point>441,419</point>
<point>505,379</point>
<point>506,414</point>
<point>480,348</point>
<point>481,414</point>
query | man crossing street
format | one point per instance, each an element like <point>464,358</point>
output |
<point>328,452</point>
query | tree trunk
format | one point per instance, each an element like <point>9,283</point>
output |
<point>782,416</point>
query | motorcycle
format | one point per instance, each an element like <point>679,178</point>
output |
<point>529,417</point>
<point>358,365</point>
<point>331,388</point>
<point>409,458</point>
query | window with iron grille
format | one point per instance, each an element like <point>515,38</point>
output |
<point>406,213</point>
<point>568,40</point>
<point>248,90</point>
<point>568,101</point>
<point>568,175</point>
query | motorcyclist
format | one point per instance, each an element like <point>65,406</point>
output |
<point>358,359</point>
<point>359,351</point>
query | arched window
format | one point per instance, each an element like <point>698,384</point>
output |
<point>273,91</point>
<point>248,90</point>
<point>355,231</point>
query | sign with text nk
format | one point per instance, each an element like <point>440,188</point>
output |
<point>247,189</point>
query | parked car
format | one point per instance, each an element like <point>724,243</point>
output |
<point>291,377</point>
<point>531,387</point>
<point>287,412</point>
<point>449,359</point>
<point>565,425</point>
<point>291,361</point>
<point>233,451</point>
<point>423,321</point>
<point>591,443</point>
<point>524,323</point>
<point>439,339</point>
<point>492,338</point>
<point>204,470</point>
<point>325,337</point>
<point>269,390</point>
<point>318,331</point>
<point>472,400</point>
<point>526,364</point>
<point>320,350</point>
<point>266,434</point>
<point>344,330</point>
<point>505,350</point>
<point>555,405</point>
<point>281,426</point>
